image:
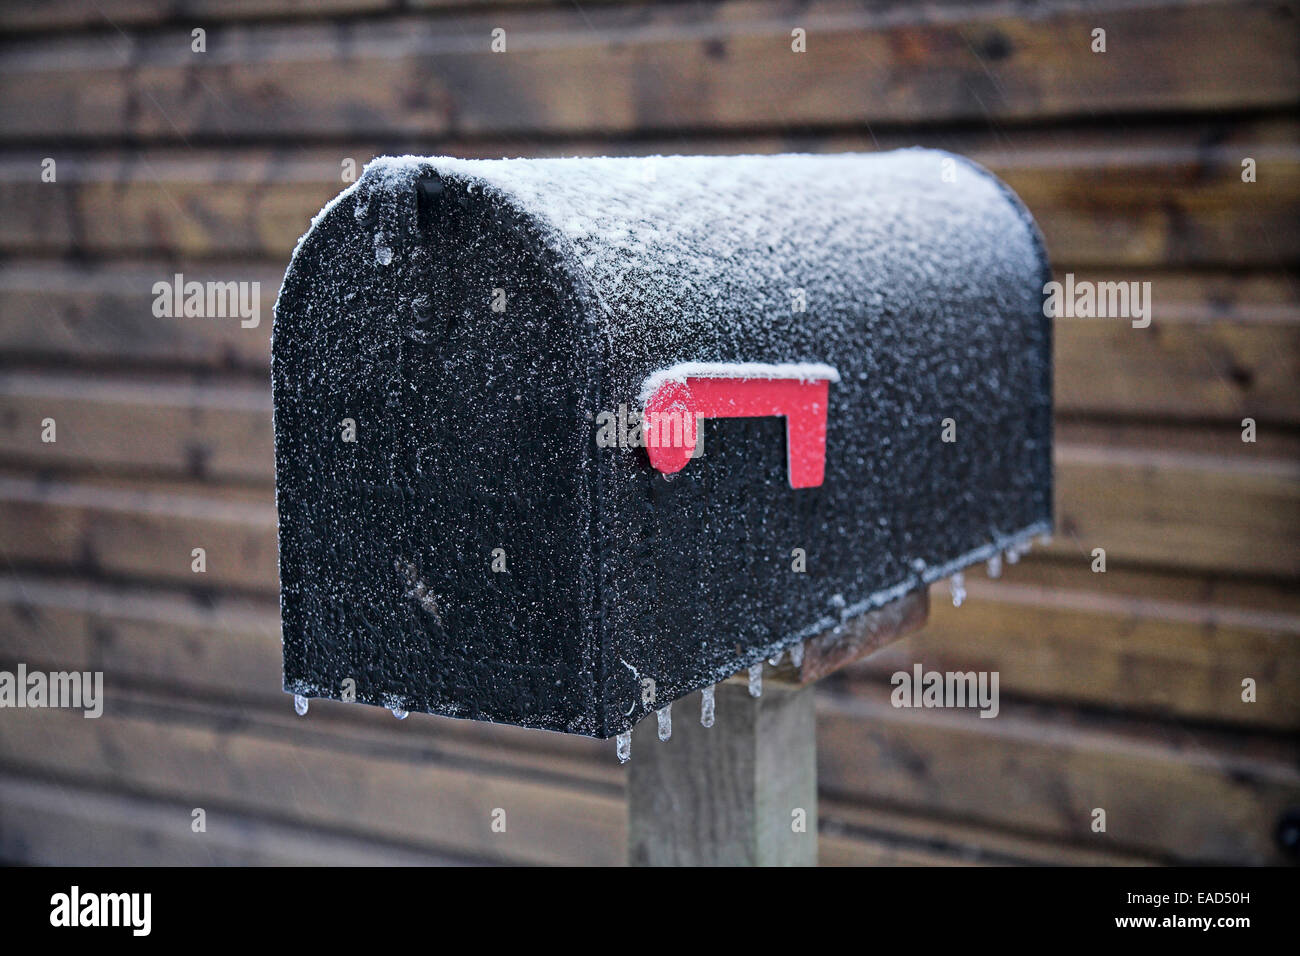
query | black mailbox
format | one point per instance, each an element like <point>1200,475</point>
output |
<point>560,441</point>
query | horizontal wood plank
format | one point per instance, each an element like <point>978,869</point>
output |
<point>893,838</point>
<point>203,431</point>
<point>1034,771</point>
<point>659,68</point>
<point>199,431</point>
<point>1215,349</point>
<point>103,315</point>
<point>1176,510</point>
<point>300,771</point>
<point>118,530</point>
<point>62,824</point>
<point>1104,642</point>
<point>67,15</point>
<point>58,823</point>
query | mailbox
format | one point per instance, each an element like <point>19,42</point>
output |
<point>559,441</point>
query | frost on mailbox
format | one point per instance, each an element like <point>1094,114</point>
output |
<point>840,365</point>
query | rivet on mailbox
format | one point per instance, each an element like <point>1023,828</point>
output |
<point>840,356</point>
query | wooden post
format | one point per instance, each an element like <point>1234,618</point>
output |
<point>740,793</point>
<point>744,791</point>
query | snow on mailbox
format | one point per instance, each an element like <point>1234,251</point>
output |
<point>559,441</point>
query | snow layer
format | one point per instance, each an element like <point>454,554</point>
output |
<point>804,371</point>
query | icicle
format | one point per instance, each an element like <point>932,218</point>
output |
<point>300,705</point>
<point>665,715</point>
<point>1013,554</point>
<point>756,679</point>
<point>623,747</point>
<point>796,655</point>
<point>995,565</point>
<point>706,707</point>
<point>775,658</point>
<point>399,713</point>
<point>1044,540</point>
<point>958,585</point>
<point>383,252</point>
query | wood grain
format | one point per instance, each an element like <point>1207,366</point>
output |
<point>649,68</point>
<point>1039,772</point>
<point>44,824</point>
<point>727,795</point>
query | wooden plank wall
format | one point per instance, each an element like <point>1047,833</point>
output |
<point>1120,690</point>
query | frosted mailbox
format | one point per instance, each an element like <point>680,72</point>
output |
<point>558,442</point>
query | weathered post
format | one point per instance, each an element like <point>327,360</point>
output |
<point>740,793</point>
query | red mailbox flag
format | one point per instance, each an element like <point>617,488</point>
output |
<point>680,396</point>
